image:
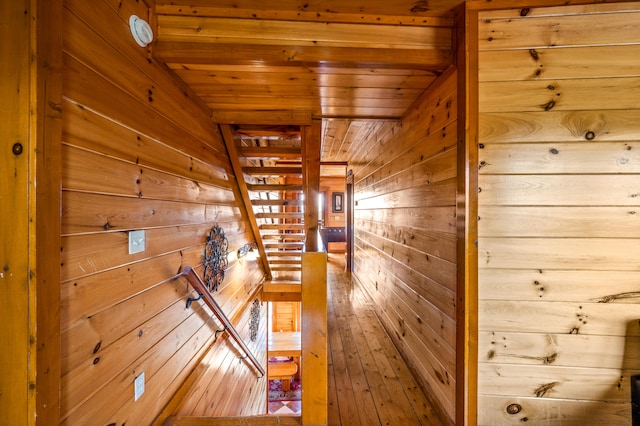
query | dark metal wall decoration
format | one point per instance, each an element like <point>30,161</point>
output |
<point>255,320</point>
<point>215,258</point>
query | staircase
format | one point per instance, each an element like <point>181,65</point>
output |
<point>271,167</point>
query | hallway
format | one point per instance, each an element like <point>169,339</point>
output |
<point>369,383</point>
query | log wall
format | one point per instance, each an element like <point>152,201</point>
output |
<point>405,236</point>
<point>559,218</point>
<point>139,153</point>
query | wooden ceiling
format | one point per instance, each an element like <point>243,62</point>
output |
<point>348,62</point>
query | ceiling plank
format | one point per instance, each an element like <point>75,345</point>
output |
<point>403,12</point>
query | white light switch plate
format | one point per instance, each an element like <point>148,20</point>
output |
<point>138,386</point>
<point>136,241</point>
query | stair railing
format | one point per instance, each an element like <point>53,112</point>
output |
<point>196,282</point>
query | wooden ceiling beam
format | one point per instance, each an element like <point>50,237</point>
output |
<point>271,152</point>
<point>430,59</point>
<point>252,131</point>
<point>261,117</point>
<point>323,34</point>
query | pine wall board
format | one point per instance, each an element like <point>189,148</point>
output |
<point>139,153</point>
<point>559,275</point>
<point>405,230</point>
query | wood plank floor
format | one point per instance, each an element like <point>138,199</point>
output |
<point>369,383</point>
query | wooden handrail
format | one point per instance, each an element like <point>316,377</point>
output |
<point>199,286</point>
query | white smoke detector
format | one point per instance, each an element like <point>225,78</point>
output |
<point>141,31</point>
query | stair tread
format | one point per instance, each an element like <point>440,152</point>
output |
<point>281,236</point>
<point>257,187</point>
<point>263,171</point>
<point>284,253</point>
<point>271,152</point>
<point>278,202</point>
<point>279,215</point>
<point>285,261</point>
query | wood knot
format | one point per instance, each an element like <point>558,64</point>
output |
<point>514,408</point>
<point>549,105</point>
<point>544,389</point>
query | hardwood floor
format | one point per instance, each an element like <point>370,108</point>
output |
<point>369,383</point>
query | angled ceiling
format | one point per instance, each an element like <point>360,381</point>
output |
<point>288,61</point>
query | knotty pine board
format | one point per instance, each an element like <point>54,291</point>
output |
<point>559,63</point>
<point>89,213</point>
<point>559,190</point>
<point>582,318</point>
<point>551,411</point>
<point>597,384</point>
<point>568,350</point>
<point>560,222</point>
<point>85,171</point>
<point>559,95</point>
<point>434,219</point>
<point>572,285</point>
<point>559,126</point>
<point>587,157</point>
<point>426,195</point>
<point>593,29</point>
<point>602,254</point>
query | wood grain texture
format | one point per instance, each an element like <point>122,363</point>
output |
<point>314,342</point>
<point>405,233</point>
<point>140,152</point>
<point>558,285</point>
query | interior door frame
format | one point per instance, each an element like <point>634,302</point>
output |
<point>350,206</point>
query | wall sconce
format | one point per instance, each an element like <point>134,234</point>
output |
<point>247,250</point>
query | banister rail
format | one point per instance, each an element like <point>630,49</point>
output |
<point>196,282</point>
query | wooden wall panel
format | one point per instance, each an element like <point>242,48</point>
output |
<point>405,239</point>
<point>559,278</point>
<point>139,152</point>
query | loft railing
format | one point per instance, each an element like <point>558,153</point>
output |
<point>199,286</point>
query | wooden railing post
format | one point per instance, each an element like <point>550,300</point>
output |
<point>314,339</point>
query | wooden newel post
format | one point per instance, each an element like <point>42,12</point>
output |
<point>314,339</point>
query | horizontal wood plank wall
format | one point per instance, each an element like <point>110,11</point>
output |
<point>405,240</point>
<point>559,218</point>
<point>138,153</point>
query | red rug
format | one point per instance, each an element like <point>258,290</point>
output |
<point>277,394</point>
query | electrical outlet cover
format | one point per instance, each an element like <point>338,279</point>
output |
<point>136,241</point>
<point>138,386</point>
